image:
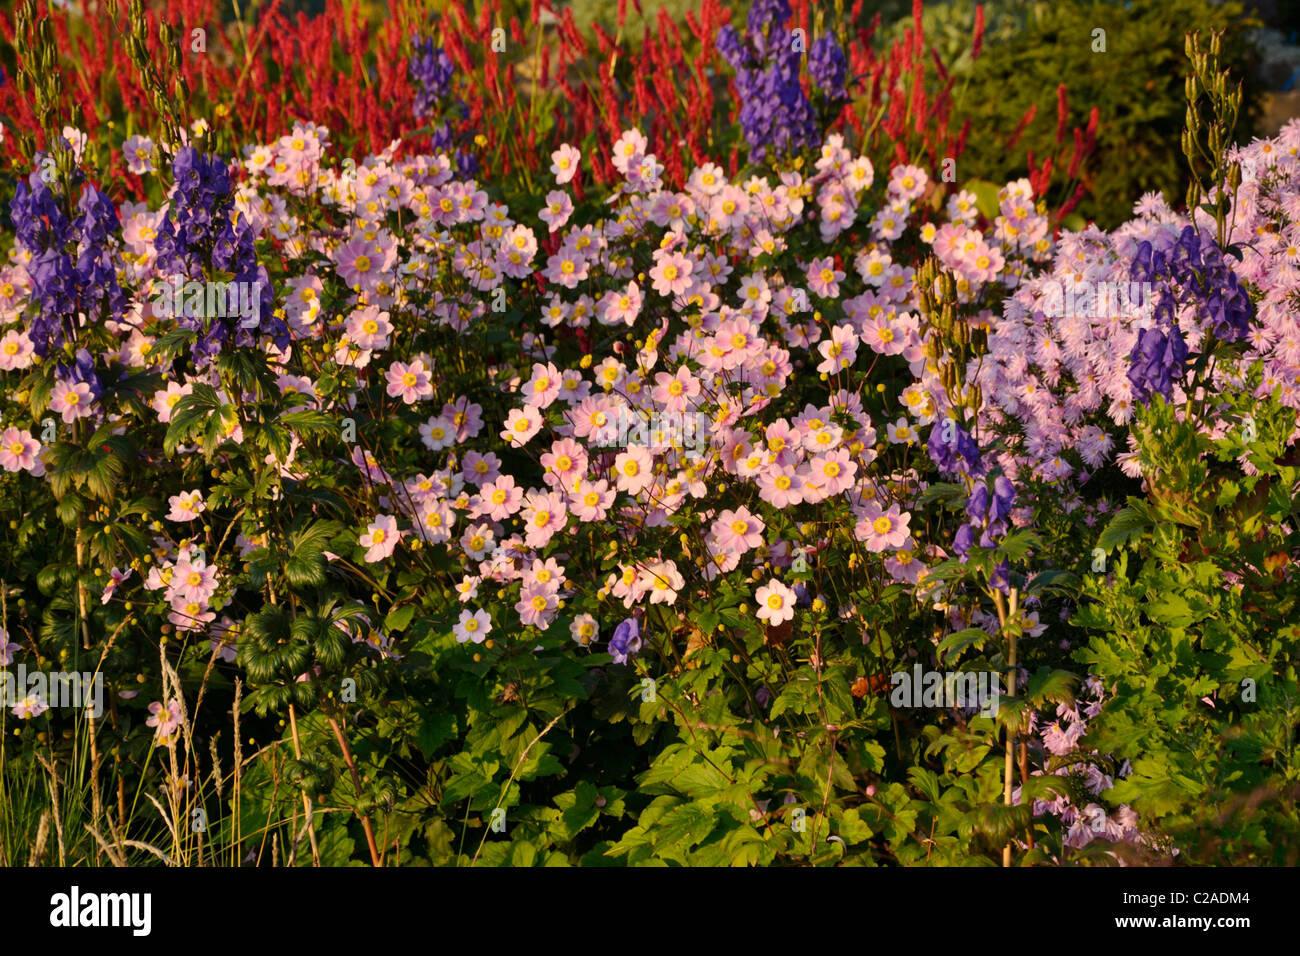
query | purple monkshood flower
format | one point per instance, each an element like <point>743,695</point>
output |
<point>199,233</point>
<point>988,514</point>
<point>1004,496</point>
<point>431,71</point>
<point>732,48</point>
<point>999,579</point>
<point>626,641</point>
<point>62,287</point>
<point>1188,271</point>
<point>37,215</point>
<point>964,540</point>
<point>827,66</point>
<point>953,450</point>
<point>775,112</point>
<point>1158,360</point>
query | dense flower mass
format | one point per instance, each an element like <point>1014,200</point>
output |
<point>552,494</point>
<point>71,265</point>
<point>775,113</point>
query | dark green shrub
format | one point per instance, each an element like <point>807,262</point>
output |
<point>1137,84</point>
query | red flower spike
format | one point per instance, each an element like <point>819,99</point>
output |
<point>1062,113</point>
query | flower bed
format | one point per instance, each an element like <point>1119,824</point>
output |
<point>820,511</point>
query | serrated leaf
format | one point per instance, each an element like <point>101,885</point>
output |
<point>1127,523</point>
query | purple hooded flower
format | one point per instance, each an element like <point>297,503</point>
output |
<point>1004,496</point>
<point>1157,361</point>
<point>964,540</point>
<point>37,216</point>
<point>626,641</point>
<point>953,450</point>
<point>1189,271</point>
<point>72,266</point>
<point>431,72</point>
<point>827,66</point>
<point>200,233</point>
<point>775,113</point>
<point>1000,579</point>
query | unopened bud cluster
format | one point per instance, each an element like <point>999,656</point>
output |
<point>951,341</point>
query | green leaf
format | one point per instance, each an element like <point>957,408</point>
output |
<point>1127,523</point>
<point>398,618</point>
<point>958,641</point>
<point>193,410</point>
